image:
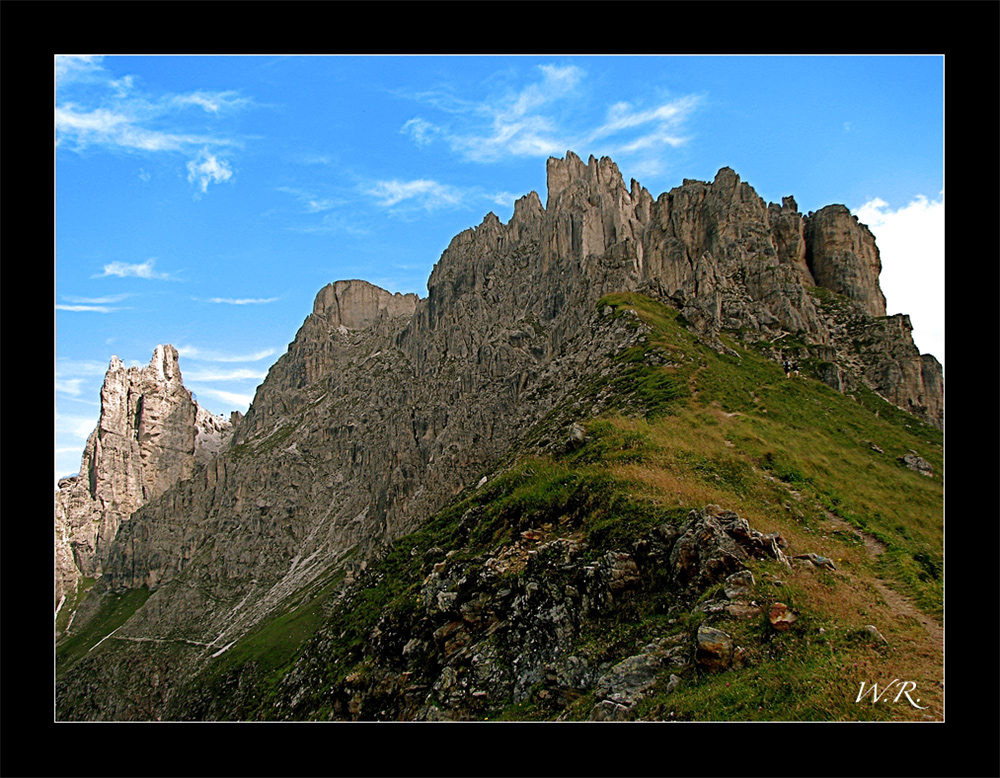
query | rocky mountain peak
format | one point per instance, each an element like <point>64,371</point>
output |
<point>165,363</point>
<point>571,173</point>
<point>151,433</point>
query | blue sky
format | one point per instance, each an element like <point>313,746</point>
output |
<point>204,201</point>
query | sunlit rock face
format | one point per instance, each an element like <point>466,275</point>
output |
<point>151,434</point>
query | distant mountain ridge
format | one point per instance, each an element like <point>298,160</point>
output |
<point>386,406</point>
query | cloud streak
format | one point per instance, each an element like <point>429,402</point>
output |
<point>233,399</point>
<point>421,192</point>
<point>193,352</point>
<point>128,270</point>
<point>88,308</point>
<point>115,129</point>
<point>71,386</point>
<point>314,203</point>
<point>242,374</point>
<point>540,120</point>
<point>93,304</point>
<point>242,300</point>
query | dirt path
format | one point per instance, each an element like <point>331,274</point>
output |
<point>900,605</point>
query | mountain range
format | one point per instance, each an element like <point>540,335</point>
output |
<point>625,451</point>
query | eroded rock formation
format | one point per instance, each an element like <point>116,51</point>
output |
<point>150,435</point>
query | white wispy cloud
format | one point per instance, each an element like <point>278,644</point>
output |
<point>421,131</point>
<point>548,116</point>
<point>504,198</point>
<point>910,240</point>
<point>79,380</point>
<point>80,367</point>
<point>513,123</point>
<point>77,426</point>
<point>241,300</point>
<point>508,123</point>
<point>88,308</point>
<point>657,126</point>
<point>241,374</point>
<point>75,68</point>
<point>622,116</point>
<point>332,223</point>
<point>421,192</point>
<point>209,355</point>
<point>338,213</point>
<point>132,270</point>
<point>110,128</point>
<point>312,202</point>
<point>72,386</point>
<point>98,111</point>
<point>104,300</point>
<point>234,400</point>
<point>212,102</point>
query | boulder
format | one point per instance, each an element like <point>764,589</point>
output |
<point>815,560</point>
<point>739,585</point>
<point>918,464</point>
<point>781,617</point>
<point>714,649</point>
<point>714,543</point>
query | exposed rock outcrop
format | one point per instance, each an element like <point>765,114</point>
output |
<point>843,257</point>
<point>358,305</point>
<point>151,434</point>
<point>476,634</point>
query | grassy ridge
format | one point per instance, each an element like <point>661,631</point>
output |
<point>794,456</point>
<point>790,455</point>
<point>745,420</point>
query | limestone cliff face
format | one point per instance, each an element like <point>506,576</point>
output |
<point>359,305</point>
<point>386,405</point>
<point>843,257</point>
<point>150,435</point>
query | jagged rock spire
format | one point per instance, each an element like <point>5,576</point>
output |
<point>150,434</point>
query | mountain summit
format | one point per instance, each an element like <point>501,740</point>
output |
<point>603,304</point>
